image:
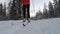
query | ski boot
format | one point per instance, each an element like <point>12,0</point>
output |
<point>24,20</point>
<point>28,20</point>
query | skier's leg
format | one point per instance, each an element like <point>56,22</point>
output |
<point>24,13</point>
<point>28,12</point>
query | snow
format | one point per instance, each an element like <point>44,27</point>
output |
<point>46,26</point>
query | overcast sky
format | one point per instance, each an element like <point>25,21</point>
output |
<point>38,4</point>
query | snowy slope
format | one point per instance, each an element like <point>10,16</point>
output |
<point>46,26</point>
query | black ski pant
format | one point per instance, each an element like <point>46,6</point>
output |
<point>26,9</point>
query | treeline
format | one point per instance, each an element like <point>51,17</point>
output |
<point>53,10</point>
<point>3,11</point>
<point>14,9</point>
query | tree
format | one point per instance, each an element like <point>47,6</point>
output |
<point>58,8</point>
<point>39,15</point>
<point>51,10</point>
<point>55,7</point>
<point>4,12</point>
<point>18,6</point>
<point>45,14</point>
<point>13,12</point>
<point>1,9</point>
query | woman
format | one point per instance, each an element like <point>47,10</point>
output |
<point>26,6</point>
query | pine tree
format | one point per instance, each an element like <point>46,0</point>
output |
<point>1,9</point>
<point>45,14</point>
<point>39,15</point>
<point>55,7</point>
<point>13,12</point>
<point>9,9</point>
<point>4,9</point>
<point>51,10</point>
<point>18,6</point>
<point>58,8</point>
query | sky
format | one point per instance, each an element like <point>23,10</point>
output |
<point>38,3</point>
<point>34,5</point>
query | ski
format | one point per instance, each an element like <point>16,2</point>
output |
<point>26,23</point>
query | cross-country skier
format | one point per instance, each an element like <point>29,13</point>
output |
<point>26,6</point>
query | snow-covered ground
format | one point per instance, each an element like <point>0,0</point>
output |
<point>46,26</point>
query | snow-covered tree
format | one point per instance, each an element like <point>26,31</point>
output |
<point>1,9</point>
<point>55,7</point>
<point>45,14</point>
<point>58,8</point>
<point>15,9</point>
<point>4,12</point>
<point>39,15</point>
<point>51,10</point>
